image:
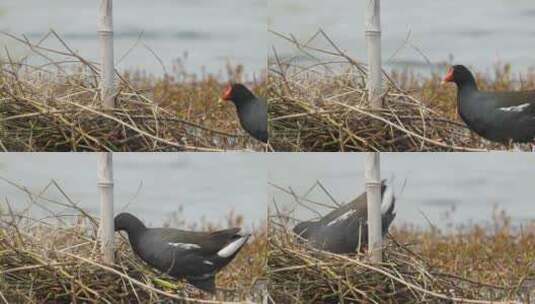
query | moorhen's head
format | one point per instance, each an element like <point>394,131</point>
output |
<point>460,75</point>
<point>237,93</point>
<point>302,229</point>
<point>128,223</point>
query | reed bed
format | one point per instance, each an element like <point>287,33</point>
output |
<point>54,258</point>
<point>318,102</point>
<point>472,264</point>
<point>55,106</point>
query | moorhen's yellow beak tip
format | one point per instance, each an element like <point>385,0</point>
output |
<point>220,100</point>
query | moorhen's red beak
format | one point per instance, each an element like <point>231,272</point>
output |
<point>227,94</point>
<point>449,76</point>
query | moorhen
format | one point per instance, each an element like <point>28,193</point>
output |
<point>503,117</point>
<point>345,229</point>
<point>195,256</point>
<point>252,110</point>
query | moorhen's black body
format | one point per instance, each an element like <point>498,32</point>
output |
<point>252,110</point>
<point>497,116</point>
<point>195,256</point>
<point>345,229</point>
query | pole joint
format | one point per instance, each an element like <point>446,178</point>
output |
<point>105,184</point>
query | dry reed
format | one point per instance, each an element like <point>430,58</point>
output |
<point>55,106</point>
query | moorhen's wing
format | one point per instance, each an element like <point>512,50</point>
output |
<point>164,250</point>
<point>358,207</point>
<point>183,253</point>
<point>207,243</point>
<point>513,116</point>
<point>344,235</point>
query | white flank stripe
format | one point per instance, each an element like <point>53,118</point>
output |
<point>208,262</point>
<point>388,198</point>
<point>184,245</point>
<point>519,108</point>
<point>231,248</point>
<point>342,217</point>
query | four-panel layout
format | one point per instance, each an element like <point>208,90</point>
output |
<point>267,76</point>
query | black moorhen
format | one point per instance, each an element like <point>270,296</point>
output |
<point>503,117</point>
<point>345,229</point>
<point>195,256</point>
<point>252,110</point>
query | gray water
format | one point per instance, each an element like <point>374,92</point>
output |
<point>465,185</point>
<point>477,33</point>
<point>211,32</point>
<point>210,185</point>
<point>151,185</point>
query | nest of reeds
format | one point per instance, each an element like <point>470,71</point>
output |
<point>318,102</point>
<point>55,258</point>
<point>56,106</point>
<point>301,274</point>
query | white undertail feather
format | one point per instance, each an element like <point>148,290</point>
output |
<point>388,199</point>
<point>231,248</point>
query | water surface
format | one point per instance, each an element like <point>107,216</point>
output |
<point>211,32</point>
<point>206,186</point>
<point>478,33</point>
<point>467,186</point>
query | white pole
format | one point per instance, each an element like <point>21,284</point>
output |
<point>373,39</point>
<point>105,165</point>
<point>105,33</point>
<point>373,194</point>
<point>105,184</point>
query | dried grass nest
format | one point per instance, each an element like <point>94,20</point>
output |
<point>56,106</point>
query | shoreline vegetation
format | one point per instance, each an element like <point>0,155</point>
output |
<point>472,264</point>
<point>320,104</point>
<point>55,258</point>
<point>55,106</point>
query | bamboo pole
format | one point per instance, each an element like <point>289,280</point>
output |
<point>373,194</point>
<point>105,33</point>
<point>105,161</point>
<point>373,40</point>
<point>105,184</point>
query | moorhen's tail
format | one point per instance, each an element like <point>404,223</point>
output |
<point>232,248</point>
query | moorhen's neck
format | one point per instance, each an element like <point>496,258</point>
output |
<point>133,226</point>
<point>242,97</point>
<point>466,81</point>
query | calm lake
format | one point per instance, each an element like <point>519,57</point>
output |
<point>477,33</point>
<point>211,32</point>
<point>209,186</point>
<point>465,185</point>
<point>151,185</point>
